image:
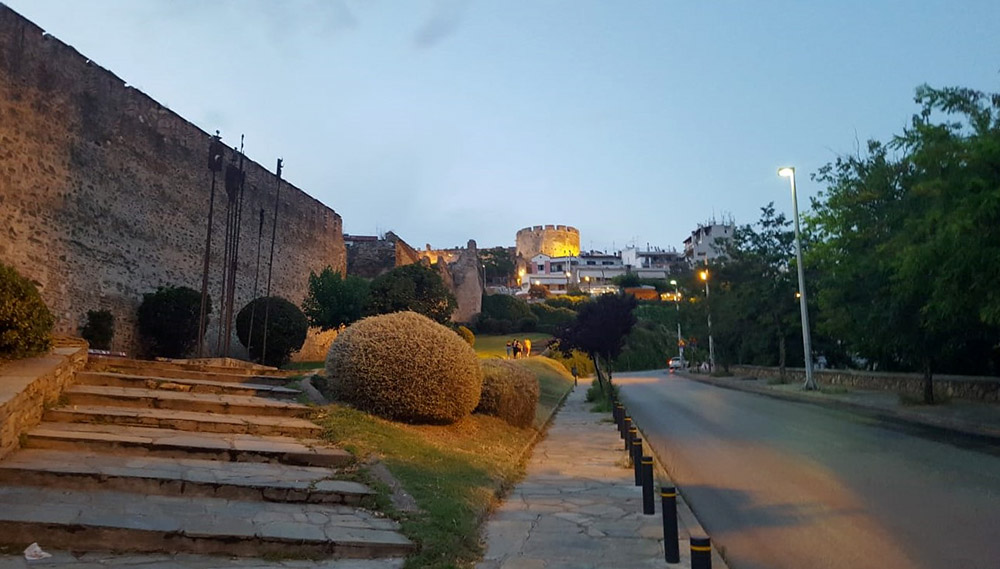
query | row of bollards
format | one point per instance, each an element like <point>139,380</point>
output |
<point>701,547</point>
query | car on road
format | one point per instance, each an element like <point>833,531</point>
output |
<point>676,363</point>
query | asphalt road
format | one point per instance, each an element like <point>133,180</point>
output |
<point>789,485</point>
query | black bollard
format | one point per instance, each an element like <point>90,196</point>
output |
<point>633,432</point>
<point>616,412</point>
<point>668,505</point>
<point>648,506</point>
<point>626,425</point>
<point>701,553</point>
<point>637,460</point>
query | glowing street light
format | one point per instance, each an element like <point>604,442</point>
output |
<point>677,305</point>
<point>711,342</point>
<point>810,383</point>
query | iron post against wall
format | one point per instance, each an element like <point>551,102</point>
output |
<point>270,264</point>
<point>215,154</point>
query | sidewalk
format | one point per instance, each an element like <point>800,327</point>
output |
<point>578,506</point>
<point>966,418</point>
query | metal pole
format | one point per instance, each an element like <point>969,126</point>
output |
<point>256,276</point>
<point>711,341</point>
<point>214,164</point>
<point>270,264</point>
<point>810,384</point>
<point>680,338</point>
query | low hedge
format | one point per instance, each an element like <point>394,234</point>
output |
<point>510,392</point>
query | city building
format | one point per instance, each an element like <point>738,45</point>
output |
<point>708,241</point>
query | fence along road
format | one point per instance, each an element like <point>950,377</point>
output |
<point>779,484</point>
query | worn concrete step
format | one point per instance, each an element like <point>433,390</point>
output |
<point>67,470</point>
<point>183,369</point>
<point>180,401</point>
<point>182,444</point>
<point>112,379</point>
<point>125,521</point>
<point>185,420</point>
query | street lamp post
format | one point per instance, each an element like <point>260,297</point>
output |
<point>711,342</point>
<point>680,339</point>
<point>810,383</point>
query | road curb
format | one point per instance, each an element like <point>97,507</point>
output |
<point>888,415</point>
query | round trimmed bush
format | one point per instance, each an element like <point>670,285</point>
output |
<point>510,392</point>
<point>287,327</point>
<point>168,320</point>
<point>99,329</point>
<point>406,367</point>
<point>466,335</point>
<point>25,321</point>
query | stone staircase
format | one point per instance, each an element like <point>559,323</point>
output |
<point>174,457</point>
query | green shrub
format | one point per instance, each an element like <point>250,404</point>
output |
<point>510,392</point>
<point>99,329</point>
<point>571,301</point>
<point>487,325</point>
<point>550,318</point>
<point>25,321</point>
<point>504,307</point>
<point>466,335</point>
<point>168,320</point>
<point>405,366</point>
<point>333,300</point>
<point>584,365</point>
<point>286,329</point>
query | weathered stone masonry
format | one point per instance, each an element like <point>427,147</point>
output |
<point>104,192</point>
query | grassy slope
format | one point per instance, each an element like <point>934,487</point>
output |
<point>453,472</point>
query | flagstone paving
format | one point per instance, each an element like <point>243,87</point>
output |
<point>578,506</point>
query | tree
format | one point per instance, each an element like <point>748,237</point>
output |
<point>499,265</point>
<point>332,300</point>
<point>600,327</point>
<point>168,320</point>
<point>411,287</point>
<point>910,244</point>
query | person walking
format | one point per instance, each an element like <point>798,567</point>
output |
<point>517,348</point>
<point>527,347</point>
<point>574,372</point>
<point>509,348</point>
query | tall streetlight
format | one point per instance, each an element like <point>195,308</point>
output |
<point>680,339</point>
<point>711,342</point>
<point>810,383</point>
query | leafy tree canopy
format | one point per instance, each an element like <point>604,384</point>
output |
<point>332,300</point>
<point>600,326</point>
<point>411,287</point>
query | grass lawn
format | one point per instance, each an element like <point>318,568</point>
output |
<point>494,346</point>
<point>454,472</point>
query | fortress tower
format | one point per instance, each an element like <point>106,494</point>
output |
<point>552,240</point>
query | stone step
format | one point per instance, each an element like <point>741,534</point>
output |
<point>185,420</point>
<point>180,401</point>
<point>173,443</point>
<point>65,470</point>
<point>124,521</point>
<point>112,379</point>
<point>165,369</point>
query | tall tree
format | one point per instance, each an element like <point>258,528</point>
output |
<point>600,327</point>
<point>332,300</point>
<point>412,287</point>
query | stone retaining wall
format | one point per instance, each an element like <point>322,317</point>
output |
<point>976,388</point>
<point>28,386</point>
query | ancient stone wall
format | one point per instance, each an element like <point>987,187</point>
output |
<point>552,240</point>
<point>467,284</point>
<point>104,193</point>
<point>961,386</point>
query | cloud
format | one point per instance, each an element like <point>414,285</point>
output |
<point>444,20</point>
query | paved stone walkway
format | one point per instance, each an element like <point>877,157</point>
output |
<point>578,507</point>
<point>66,560</point>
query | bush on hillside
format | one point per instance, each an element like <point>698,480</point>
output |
<point>168,320</point>
<point>99,329</point>
<point>25,321</point>
<point>404,366</point>
<point>510,392</point>
<point>503,314</point>
<point>333,300</point>
<point>466,335</point>
<point>551,319</point>
<point>584,365</point>
<point>286,329</point>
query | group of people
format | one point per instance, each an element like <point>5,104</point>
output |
<point>518,348</point>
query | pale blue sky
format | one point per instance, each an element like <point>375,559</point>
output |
<point>451,119</point>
